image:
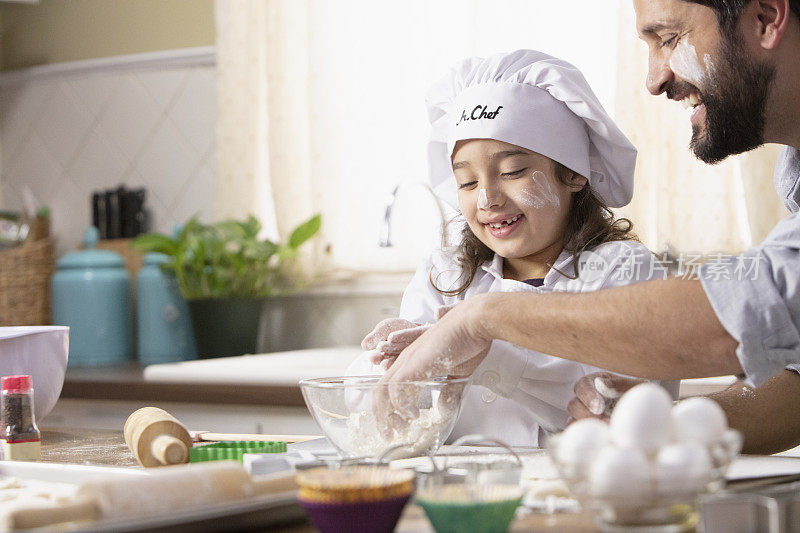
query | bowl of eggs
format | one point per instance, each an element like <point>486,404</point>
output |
<point>645,468</point>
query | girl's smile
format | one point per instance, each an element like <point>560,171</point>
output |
<point>502,226</point>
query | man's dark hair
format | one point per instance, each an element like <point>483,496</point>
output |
<point>728,11</point>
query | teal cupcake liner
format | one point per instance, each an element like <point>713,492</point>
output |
<point>222,451</point>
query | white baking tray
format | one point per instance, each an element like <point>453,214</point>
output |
<point>260,512</point>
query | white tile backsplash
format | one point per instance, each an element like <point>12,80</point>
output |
<point>196,110</point>
<point>94,92</point>
<point>192,200</point>
<point>66,135</point>
<point>33,165</point>
<point>164,85</point>
<point>98,160</point>
<point>19,111</point>
<point>70,212</point>
<point>166,156</point>
<point>130,117</point>
<point>63,125</point>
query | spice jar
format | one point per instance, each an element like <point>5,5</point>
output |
<point>21,437</point>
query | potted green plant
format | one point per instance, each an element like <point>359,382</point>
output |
<point>226,272</point>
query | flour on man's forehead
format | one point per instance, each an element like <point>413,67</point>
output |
<point>479,112</point>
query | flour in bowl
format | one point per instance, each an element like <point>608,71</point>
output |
<point>420,434</point>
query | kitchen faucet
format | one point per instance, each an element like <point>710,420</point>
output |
<point>386,228</point>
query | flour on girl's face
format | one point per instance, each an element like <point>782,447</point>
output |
<point>483,200</point>
<point>685,63</point>
<point>539,194</point>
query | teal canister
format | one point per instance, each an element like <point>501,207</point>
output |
<point>91,295</point>
<point>164,332</point>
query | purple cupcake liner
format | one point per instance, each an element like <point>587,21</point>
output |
<point>379,516</point>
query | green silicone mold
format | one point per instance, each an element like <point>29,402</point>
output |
<point>221,451</point>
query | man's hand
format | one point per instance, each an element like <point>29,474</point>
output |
<point>596,394</point>
<point>454,346</point>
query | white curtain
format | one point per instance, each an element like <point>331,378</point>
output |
<point>678,200</point>
<point>243,184</point>
<point>322,107</point>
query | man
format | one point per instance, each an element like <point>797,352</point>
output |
<point>729,132</point>
<point>735,62</point>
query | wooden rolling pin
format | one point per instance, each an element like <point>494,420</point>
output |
<point>156,438</point>
<point>163,491</point>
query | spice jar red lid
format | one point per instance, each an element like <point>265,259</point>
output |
<point>21,383</point>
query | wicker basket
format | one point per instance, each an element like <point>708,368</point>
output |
<point>25,284</point>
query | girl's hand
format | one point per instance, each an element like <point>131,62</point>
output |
<point>453,346</point>
<point>382,330</point>
<point>392,336</point>
<point>596,395</point>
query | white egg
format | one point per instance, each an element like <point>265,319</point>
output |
<point>620,472</point>
<point>641,418</point>
<point>698,419</point>
<point>682,467</point>
<point>582,439</point>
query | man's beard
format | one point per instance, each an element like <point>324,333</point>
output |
<point>735,97</point>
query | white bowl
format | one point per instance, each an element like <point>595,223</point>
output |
<point>40,351</point>
<point>357,427</point>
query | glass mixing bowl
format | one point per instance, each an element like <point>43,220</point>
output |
<point>359,425</point>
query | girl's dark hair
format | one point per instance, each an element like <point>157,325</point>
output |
<point>590,223</point>
<point>728,12</point>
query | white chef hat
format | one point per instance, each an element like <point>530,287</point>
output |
<point>534,101</point>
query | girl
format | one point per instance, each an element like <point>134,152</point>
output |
<point>523,148</point>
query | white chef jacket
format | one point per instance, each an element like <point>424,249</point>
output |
<point>756,295</point>
<point>518,394</point>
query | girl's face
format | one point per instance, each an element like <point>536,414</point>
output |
<point>511,197</point>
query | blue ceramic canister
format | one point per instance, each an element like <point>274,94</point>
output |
<point>164,332</point>
<point>91,295</point>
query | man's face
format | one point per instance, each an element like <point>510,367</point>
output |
<point>694,62</point>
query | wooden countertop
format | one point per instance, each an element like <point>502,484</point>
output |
<point>86,446</point>
<point>126,382</point>
<point>103,447</point>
